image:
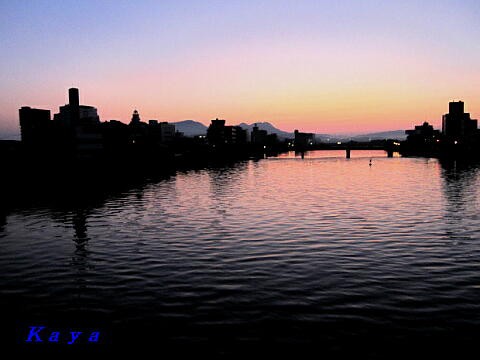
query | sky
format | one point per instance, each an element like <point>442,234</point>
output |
<point>318,66</point>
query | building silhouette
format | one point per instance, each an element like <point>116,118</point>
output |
<point>423,137</point>
<point>258,136</point>
<point>135,118</point>
<point>74,114</point>
<point>235,135</point>
<point>457,123</point>
<point>161,132</point>
<point>459,137</point>
<point>34,126</point>
<point>77,132</point>
<point>79,127</point>
<point>220,134</point>
<point>303,140</point>
<point>216,132</point>
<point>425,131</point>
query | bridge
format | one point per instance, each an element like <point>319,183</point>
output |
<point>388,146</point>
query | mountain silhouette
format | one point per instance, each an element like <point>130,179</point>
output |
<point>9,135</point>
<point>269,128</point>
<point>190,127</point>
<point>394,134</point>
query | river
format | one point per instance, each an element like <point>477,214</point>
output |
<point>284,253</point>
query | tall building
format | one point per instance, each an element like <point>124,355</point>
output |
<point>457,123</point>
<point>216,132</point>
<point>74,102</point>
<point>79,127</point>
<point>74,114</point>
<point>34,126</point>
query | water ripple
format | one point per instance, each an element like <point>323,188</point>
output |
<point>304,245</point>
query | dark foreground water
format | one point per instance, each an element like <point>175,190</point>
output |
<point>282,255</point>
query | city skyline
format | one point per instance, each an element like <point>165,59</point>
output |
<point>323,67</point>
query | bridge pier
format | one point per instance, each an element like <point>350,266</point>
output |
<point>389,153</point>
<point>347,150</point>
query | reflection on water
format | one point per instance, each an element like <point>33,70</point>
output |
<point>325,154</point>
<point>275,254</point>
<point>80,256</point>
<point>3,220</point>
<point>460,184</point>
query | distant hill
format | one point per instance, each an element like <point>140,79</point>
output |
<point>395,134</point>
<point>9,135</point>
<point>193,128</point>
<point>269,128</point>
<point>280,133</point>
<point>190,127</point>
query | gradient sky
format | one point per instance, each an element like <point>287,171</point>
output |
<point>320,66</point>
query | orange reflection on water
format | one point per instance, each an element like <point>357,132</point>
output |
<point>323,154</point>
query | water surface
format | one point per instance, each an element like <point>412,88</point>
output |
<point>281,253</point>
